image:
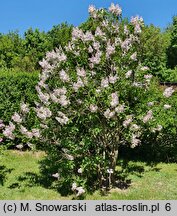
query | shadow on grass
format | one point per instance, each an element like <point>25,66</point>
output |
<point>3,172</point>
<point>46,180</point>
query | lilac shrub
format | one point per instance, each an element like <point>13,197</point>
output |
<point>95,95</point>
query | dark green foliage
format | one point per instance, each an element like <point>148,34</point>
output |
<point>36,45</point>
<point>168,75</point>
<point>172,49</point>
<point>10,48</point>
<point>153,48</point>
<point>24,54</point>
<point>14,89</point>
<point>59,35</point>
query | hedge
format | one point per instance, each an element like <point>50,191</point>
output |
<point>16,87</point>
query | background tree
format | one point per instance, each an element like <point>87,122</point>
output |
<point>59,35</point>
<point>172,49</point>
<point>36,45</point>
<point>11,47</point>
<point>153,48</point>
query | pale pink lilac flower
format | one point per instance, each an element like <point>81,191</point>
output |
<point>54,98</point>
<point>135,127</point>
<point>135,141</point>
<point>36,132</point>
<point>113,79</point>
<point>79,101</point>
<point>62,119</point>
<point>90,49</point>
<point>77,34</point>
<point>23,130</point>
<point>144,68</point>
<point>16,118</point>
<point>24,108</point>
<point>43,113</point>
<point>78,84</point>
<point>80,170</point>
<point>93,108</point>
<point>80,191</point>
<point>150,104</point>
<point>126,31</point>
<point>92,10</point>
<point>30,145</point>
<point>138,84</point>
<point>63,101</point>
<point>115,9</point>
<point>109,114</point>
<point>44,97</point>
<point>44,126</point>
<point>110,49</point>
<point>118,41</point>
<point>56,175</point>
<point>99,33</point>
<point>98,90</point>
<point>168,92</point>
<point>96,58</point>
<point>29,134</point>
<point>45,65</point>
<point>81,72</point>
<point>88,36</point>
<point>105,82</point>
<point>1,139</point>
<point>126,45</point>
<point>148,76</point>
<point>114,99</point>
<point>64,76</point>
<point>128,120</point>
<point>128,74</point>
<point>69,157</point>
<point>57,55</point>
<point>96,45</point>
<point>19,146</point>
<point>120,109</point>
<point>167,106</point>
<point>158,128</point>
<point>8,131</point>
<point>137,29</point>
<point>60,91</point>
<point>134,56</point>
<point>148,116</point>
<point>93,73</point>
<point>135,20</point>
<point>105,23</point>
<point>74,186</point>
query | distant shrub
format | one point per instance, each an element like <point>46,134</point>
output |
<point>16,87</point>
<point>168,75</point>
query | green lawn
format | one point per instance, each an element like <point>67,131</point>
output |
<point>19,179</point>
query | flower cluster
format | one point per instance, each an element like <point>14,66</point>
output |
<point>79,190</point>
<point>43,112</point>
<point>114,99</point>
<point>128,120</point>
<point>93,108</point>
<point>8,131</point>
<point>115,9</point>
<point>148,116</point>
<point>168,92</point>
<point>62,118</point>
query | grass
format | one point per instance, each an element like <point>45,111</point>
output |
<point>137,180</point>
